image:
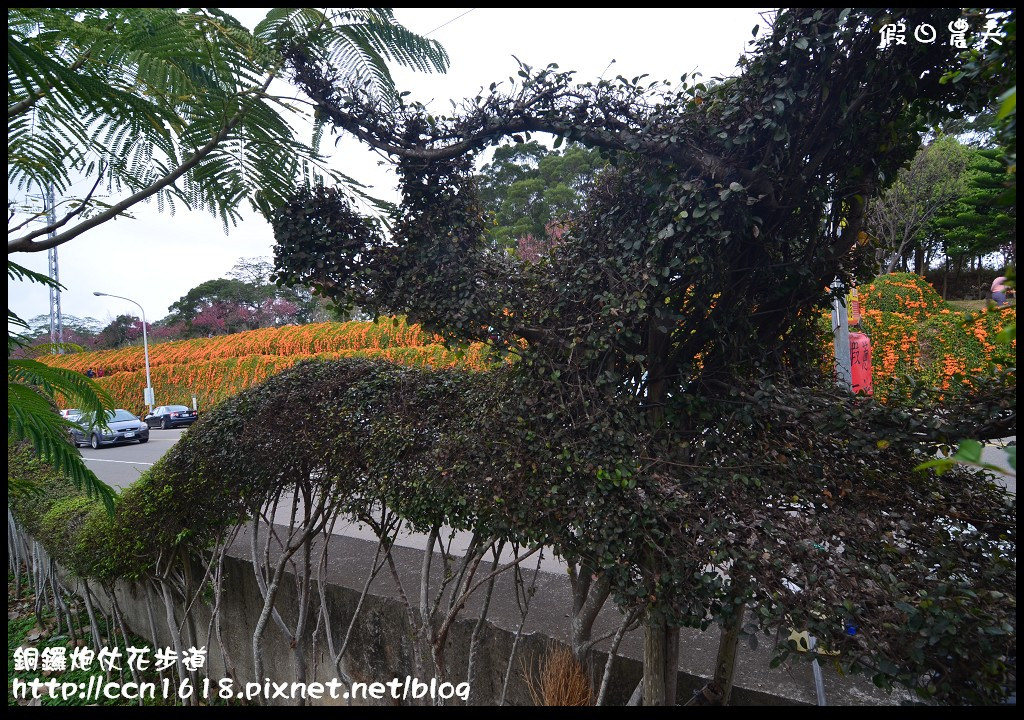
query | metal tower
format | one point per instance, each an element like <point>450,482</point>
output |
<point>56,321</point>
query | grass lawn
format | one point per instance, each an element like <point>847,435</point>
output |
<point>971,305</point>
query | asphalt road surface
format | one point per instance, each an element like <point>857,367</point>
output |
<point>994,455</point>
<point>120,465</point>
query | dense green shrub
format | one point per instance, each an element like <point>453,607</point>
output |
<point>53,486</point>
<point>454,448</point>
<point>61,526</point>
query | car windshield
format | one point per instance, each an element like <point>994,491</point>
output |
<point>112,416</point>
<point>176,408</point>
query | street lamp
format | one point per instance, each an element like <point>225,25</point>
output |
<point>148,399</point>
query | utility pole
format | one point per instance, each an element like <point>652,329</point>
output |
<point>56,321</point>
<point>841,337</point>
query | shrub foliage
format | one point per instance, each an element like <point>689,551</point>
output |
<point>820,504</point>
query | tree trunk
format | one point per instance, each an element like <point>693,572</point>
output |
<point>671,664</point>
<point>919,262</point>
<point>725,664</point>
<point>655,651</point>
<point>945,280</point>
<point>660,650</point>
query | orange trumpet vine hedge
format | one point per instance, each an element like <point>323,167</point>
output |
<point>303,340</point>
<point>214,369</point>
<point>915,334</point>
<point>904,293</point>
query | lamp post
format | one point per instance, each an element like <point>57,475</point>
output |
<point>145,347</point>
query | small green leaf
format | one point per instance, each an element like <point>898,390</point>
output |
<point>942,465</point>
<point>1007,103</point>
<point>969,451</point>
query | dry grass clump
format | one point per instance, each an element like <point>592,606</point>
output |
<point>560,680</point>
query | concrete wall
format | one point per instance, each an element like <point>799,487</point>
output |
<point>381,647</point>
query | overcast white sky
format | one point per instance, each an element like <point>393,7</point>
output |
<point>156,258</point>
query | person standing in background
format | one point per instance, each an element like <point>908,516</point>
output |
<point>999,290</point>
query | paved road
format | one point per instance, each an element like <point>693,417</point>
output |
<point>994,455</point>
<point>120,465</point>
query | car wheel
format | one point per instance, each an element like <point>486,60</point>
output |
<point>163,424</point>
<point>143,440</point>
<point>95,442</point>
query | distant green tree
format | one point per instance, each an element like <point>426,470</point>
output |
<point>977,223</point>
<point>221,293</point>
<point>121,331</point>
<point>259,271</point>
<point>87,326</point>
<point>245,300</point>
<point>526,187</point>
<point>934,179</point>
<point>79,331</point>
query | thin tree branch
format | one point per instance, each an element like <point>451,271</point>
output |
<point>25,243</point>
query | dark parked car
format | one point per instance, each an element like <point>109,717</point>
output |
<point>171,416</point>
<point>121,427</point>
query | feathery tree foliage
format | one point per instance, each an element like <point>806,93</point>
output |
<point>31,412</point>
<point>165,103</point>
<point>669,353</point>
<point>176,105</point>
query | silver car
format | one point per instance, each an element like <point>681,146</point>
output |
<point>121,427</point>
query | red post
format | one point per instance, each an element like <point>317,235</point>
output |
<point>860,363</point>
